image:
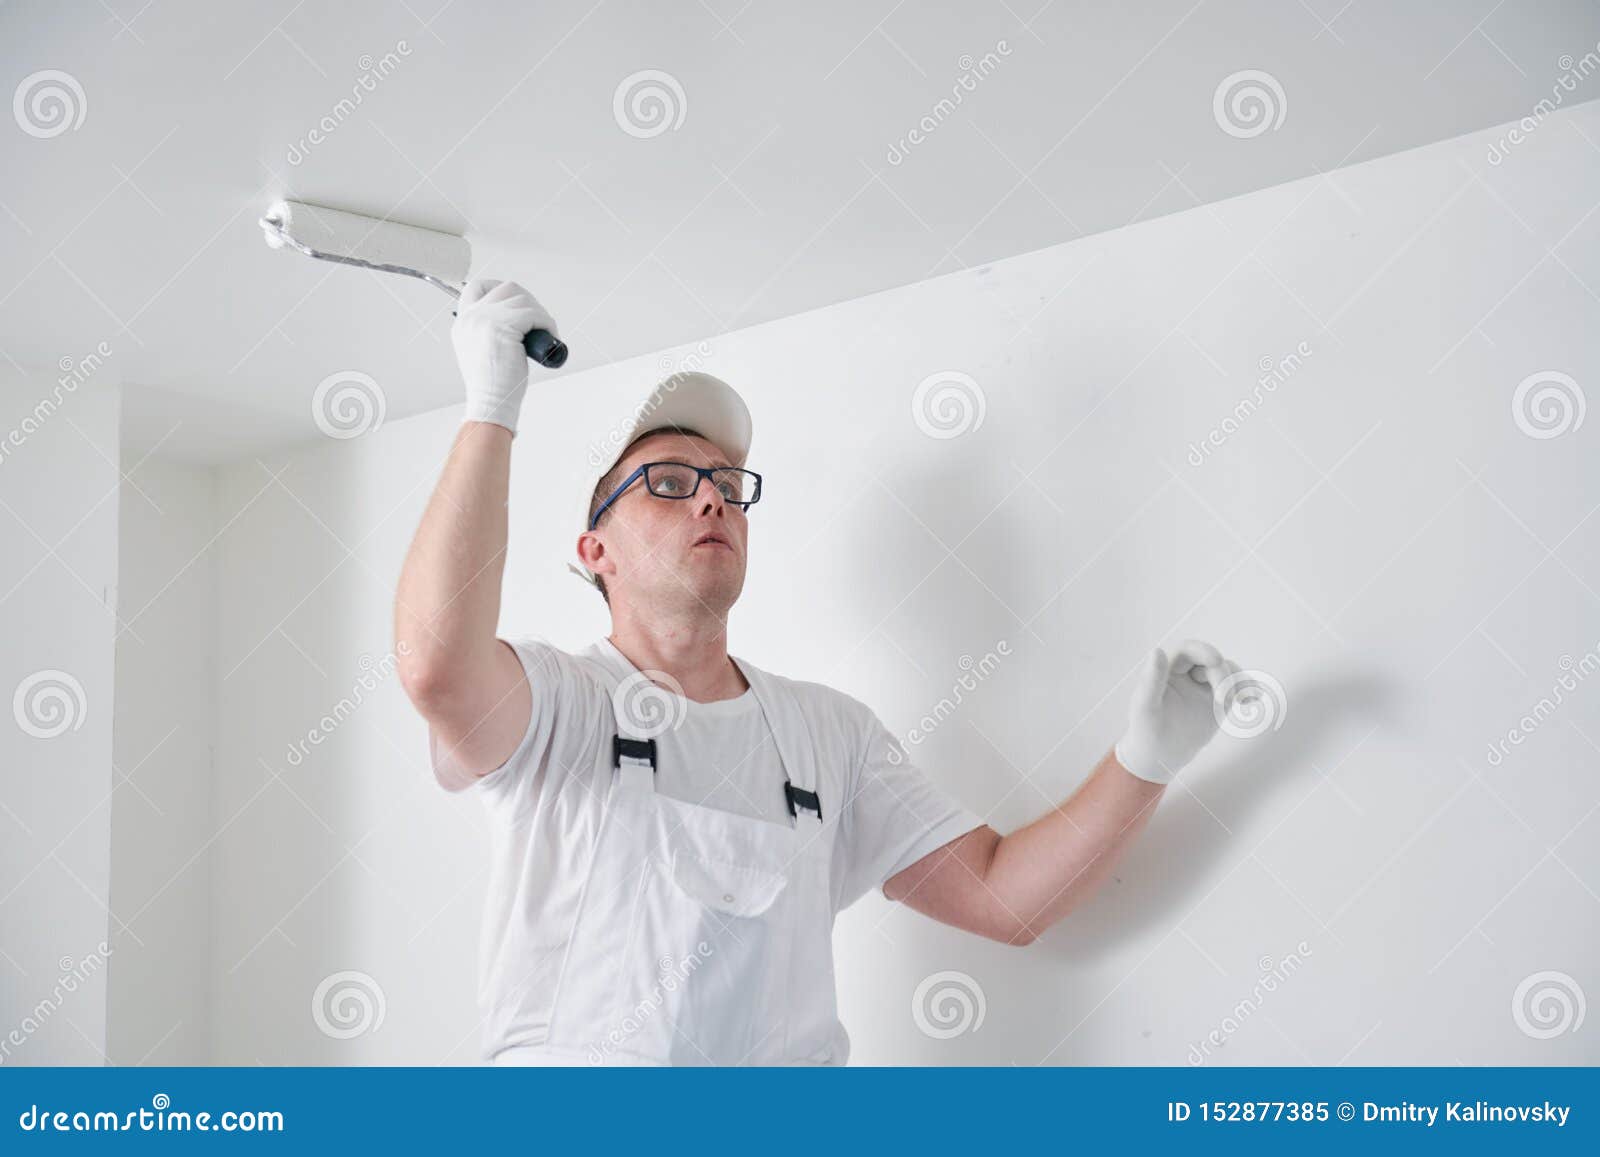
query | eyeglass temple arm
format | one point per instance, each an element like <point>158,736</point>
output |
<point>617,493</point>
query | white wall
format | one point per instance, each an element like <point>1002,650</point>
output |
<point>59,483</point>
<point>1379,535</point>
<point>162,820</point>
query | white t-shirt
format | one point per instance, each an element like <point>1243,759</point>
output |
<point>545,802</point>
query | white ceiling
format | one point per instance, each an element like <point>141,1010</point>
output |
<point>774,195</point>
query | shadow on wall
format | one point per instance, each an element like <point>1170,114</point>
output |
<point>1189,843</point>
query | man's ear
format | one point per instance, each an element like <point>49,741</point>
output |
<point>591,550</point>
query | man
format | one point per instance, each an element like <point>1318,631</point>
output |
<point>674,829</point>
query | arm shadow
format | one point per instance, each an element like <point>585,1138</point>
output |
<point>1175,861</point>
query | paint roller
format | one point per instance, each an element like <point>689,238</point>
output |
<point>440,259</point>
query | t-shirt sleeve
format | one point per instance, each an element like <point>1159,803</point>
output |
<point>561,702</point>
<point>895,815</point>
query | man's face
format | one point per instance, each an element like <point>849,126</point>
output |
<point>653,555</point>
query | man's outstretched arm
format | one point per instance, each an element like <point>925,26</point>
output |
<point>1011,888</point>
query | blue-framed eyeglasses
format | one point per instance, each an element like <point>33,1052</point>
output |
<point>741,488</point>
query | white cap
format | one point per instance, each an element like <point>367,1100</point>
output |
<point>695,400</point>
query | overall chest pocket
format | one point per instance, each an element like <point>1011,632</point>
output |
<point>703,977</point>
<point>731,889</point>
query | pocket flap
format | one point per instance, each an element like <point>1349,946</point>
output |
<point>730,888</point>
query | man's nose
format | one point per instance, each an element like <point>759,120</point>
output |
<point>710,498</point>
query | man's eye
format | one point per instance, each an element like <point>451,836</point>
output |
<point>673,483</point>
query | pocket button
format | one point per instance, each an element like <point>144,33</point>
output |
<point>736,889</point>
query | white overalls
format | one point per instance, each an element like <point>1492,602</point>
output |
<point>702,936</point>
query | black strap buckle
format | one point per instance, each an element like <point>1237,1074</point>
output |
<point>633,749</point>
<point>798,795</point>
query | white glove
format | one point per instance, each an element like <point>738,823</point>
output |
<point>491,319</point>
<point>1176,710</point>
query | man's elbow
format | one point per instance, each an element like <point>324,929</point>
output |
<point>432,686</point>
<point>1023,936</point>
<point>424,686</point>
<point>1014,931</point>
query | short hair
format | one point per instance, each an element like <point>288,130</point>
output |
<point>608,482</point>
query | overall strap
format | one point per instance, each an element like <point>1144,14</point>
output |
<point>631,752</point>
<point>791,734</point>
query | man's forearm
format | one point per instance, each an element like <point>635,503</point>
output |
<point>447,603</point>
<point>1041,871</point>
<point>1011,888</point>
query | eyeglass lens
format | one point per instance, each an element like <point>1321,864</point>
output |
<point>674,480</point>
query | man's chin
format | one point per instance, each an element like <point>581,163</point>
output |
<point>706,587</point>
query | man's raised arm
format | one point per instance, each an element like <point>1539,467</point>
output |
<point>465,681</point>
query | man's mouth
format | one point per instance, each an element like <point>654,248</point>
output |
<point>712,539</point>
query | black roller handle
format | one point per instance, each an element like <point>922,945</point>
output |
<point>545,348</point>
